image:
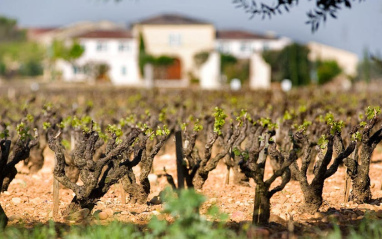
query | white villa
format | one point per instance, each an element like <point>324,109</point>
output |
<point>115,48</point>
<point>242,44</point>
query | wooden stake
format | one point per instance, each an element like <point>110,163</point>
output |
<point>179,158</point>
<point>347,188</point>
<point>123,194</point>
<point>56,197</point>
<point>56,194</point>
<point>227,175</point>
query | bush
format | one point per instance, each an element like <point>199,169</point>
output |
<point>29,56</point>
<point>188,223</point>
<point>290,63</point>
<point>2,68</point>
<point>232,68</point>
<point>30,68</point>
<point>182,207</point>
<point>201,57</point>
<point>327,71</point>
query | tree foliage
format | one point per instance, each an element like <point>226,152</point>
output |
<point>9,31</point>
<point>145,58</point>
<point>21,58</point>
<point>290,63</point>
<point>60,50</point>
<point>232,67</point>
<point>201,57</point>
<point>327,70</point>
<point>18,56</point>
<point>322,10</point>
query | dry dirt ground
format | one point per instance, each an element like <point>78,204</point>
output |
<point>30,199</point>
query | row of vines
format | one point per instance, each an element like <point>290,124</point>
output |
<point>100,135</point>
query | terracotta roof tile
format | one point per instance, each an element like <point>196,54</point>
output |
<point>238,34</point>
<point>105,34</point>
<point>41,30</point>
<point>171,19</point>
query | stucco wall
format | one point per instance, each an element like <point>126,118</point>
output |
<point>182,41</point>
<point>123,64</point>
<point>260,73</point>
<point>348,61</point>
<point>245,48</point>
<point>210,72</point>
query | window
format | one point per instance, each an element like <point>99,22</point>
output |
<point>245,47</point>
<point>123,70</point>
<point>76,70</point>
<point>265,47</point>
<point>223,48</point>
<point>175,39</point>
<point>123,47</point>
<point>101,46</point>
<point>220,48</point>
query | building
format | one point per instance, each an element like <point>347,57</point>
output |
<point>242,44</point>
<point>348,61</point>
<point>179,37</point>
<point>46,36</point>
<point>114,49</point>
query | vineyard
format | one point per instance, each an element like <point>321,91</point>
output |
<point>189,164</point>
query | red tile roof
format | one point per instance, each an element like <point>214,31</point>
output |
<point>33,33</point>
<point>171,19</point>
<point>41,30</point>
<point>106,34</point>
<point>239,35</point>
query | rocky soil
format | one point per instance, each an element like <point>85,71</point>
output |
<point>30,199</point>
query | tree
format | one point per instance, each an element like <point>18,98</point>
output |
<point>318,14</point>
<point>290,63</point>
<point>369,135</point>
<point>21,57</point>
<point>232,67</point>
<point>327,70</point>
<point>9,32</point>
<point>60,50</point>
<point>313,191</point>
<point>369,69</point>
<point>253,165</point>
<point>20,150</point>
<point>18,56</point>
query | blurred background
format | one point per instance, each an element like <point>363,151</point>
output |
<point>203,44</point>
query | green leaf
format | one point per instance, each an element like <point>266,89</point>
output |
<point>304,125</point>
<point>323,142</point>
<point>219,120</point>
<point>5,133</point>
<point>66,144</point>
<point>183,126</point>
<point>46,125</point>
<point>337,126</point>
<point>30,118</point>
<point>302,108</point>
<point>287,116</point>
<point>357,136</point>
<point>236,151</point>
<point>372,111</point>
<point>197,126</point>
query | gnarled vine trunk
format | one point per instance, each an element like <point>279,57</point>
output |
<point>262,206</point>
<point>3,218</point>
<point>359,175</point>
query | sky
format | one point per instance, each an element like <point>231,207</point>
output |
<point>355,29</point>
